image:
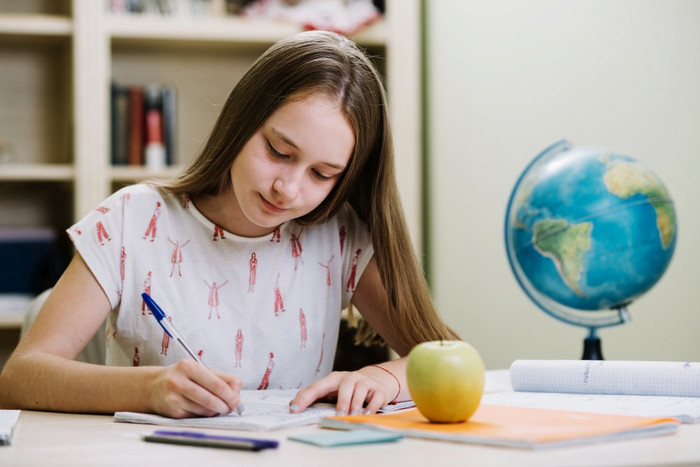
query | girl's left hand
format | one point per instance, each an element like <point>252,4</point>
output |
<point>356,392</point>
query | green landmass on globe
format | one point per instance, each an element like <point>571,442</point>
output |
<point>565,244</point>
<point>626,179</point>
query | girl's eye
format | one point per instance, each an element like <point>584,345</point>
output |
<point>320,176</point>
<point>274,152</point>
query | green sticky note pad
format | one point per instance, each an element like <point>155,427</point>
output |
<point>332,438</point>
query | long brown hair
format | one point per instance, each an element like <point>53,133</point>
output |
<point>325,62</point>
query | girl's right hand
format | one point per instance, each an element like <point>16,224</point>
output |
<point>189,389</point>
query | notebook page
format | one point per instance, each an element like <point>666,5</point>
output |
<point>642,378</point>
<point>685,409</point>
<point>8,420</point>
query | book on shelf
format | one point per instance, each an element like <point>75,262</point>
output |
<point>516,427</point>
<point>154,146</point>
<point>120,124</point>
<point>143,125</point>
<point>169,112</point>
<point>643,388</point>
<point>136,124</point>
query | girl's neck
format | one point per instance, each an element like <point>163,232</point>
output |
<point>223,210</point>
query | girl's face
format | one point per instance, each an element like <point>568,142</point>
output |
<point>290,164</point>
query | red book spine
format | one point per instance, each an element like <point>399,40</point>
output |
<point>136,125</point>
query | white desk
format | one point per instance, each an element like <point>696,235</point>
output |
<point>56,439</point>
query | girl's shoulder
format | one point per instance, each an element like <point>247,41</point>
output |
<point>139,191</point>
<point>142,195</point>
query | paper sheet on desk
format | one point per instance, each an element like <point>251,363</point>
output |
<point>264,410</point>
<point>643,388</point>
<point>685,409</point>
<point>8,420</point>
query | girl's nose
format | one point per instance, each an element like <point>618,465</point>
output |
<point>287,184</point>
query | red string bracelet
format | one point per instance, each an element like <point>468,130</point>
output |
<point>393,402</point>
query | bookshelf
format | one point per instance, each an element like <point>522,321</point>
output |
<point>59,57</point>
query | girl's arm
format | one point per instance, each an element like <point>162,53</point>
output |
<point>370,388</point>
<point>43,375</point>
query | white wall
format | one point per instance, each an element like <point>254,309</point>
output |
<point>506,78</point>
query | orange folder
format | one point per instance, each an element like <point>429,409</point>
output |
<point>515,426</point>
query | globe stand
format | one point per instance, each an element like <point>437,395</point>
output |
<point>591,346</point>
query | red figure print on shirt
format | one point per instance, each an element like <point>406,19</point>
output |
<point>253,266</point>
<point>350,287</point>
<point>126,197</point>
<point>302,325</point>
<point>102,234</point>
<point>320,359</point>
<point>152,228</point>
<point>102,209</point>
<point>176,257</point>
<point>296,251</point>
<point>122,265</point>
<point>239,348</point>
<point>146,289</point>
<point>328,269</point>
<point>276,235</point>
<point>342,234</point>
<point>165,343</point>
<point>213,301</point>
<point>136,359</point>
<point>200,354</point>
<point>279,304</point>
<point>218,232</point>
<point>265,383</point>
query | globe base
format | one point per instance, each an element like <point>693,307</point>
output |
<point>592,349</point>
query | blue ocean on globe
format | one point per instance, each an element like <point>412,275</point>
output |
<point>589,229</point>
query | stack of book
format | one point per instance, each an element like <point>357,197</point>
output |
<point>143,125</point>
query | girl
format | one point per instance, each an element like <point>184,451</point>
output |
<point>298,170</point>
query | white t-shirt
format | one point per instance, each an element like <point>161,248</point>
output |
<point>266,309</point>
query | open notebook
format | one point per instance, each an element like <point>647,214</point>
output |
<point>264,410</point>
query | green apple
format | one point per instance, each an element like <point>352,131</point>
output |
<point>445,379</point>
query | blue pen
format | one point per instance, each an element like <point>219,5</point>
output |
<point>193,438</point>
<point>169,328</point>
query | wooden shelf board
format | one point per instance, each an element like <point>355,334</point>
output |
<point>233,30</point>
<point>35,25</point>
<point>37,172</point>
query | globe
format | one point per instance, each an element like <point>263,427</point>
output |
<point>587,231</point>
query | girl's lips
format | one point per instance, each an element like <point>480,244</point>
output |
<point>271,206</point>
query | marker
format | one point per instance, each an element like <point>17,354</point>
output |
<point>169,328</point>
<point>193,438</point>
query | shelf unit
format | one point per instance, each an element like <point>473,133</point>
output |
<point>58,58</point>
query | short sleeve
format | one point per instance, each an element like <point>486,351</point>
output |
<point>98,237</point>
